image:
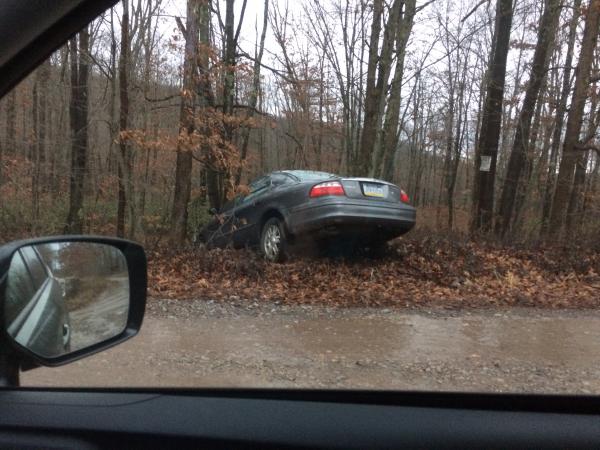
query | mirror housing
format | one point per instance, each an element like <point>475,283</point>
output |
<point>135,259</point>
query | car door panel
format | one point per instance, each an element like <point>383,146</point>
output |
<point>299,419</point>
<point>248,215</point>
<point>248,212</point>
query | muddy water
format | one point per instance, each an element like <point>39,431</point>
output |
<point>524,351</point>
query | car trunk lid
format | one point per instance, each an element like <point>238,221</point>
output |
<point>371,189</point>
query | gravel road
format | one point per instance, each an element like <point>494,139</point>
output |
<point>208,344</point>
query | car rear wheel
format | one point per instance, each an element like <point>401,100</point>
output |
<point>273,240</point>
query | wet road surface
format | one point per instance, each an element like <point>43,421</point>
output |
<point>104,317</point>
<point>204,344</point>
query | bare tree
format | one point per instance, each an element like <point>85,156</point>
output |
<point>487,147</point>
<point>571,151</point>
<point>183,169</point>
<point>253,101</point>
<point>517,161</point>
<point>561,109</point>
<point>124,162</point>
<point>79,129</point>
<point>385,153</point>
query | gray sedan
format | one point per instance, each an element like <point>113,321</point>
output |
<point>287,205</point>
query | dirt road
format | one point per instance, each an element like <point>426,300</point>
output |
<point>204,344</point>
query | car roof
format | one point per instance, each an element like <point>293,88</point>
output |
<point>31,30</point>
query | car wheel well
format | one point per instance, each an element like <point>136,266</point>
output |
<point>270,214</point>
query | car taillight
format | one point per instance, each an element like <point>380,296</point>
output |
<point>404,197</point>
<point>327,188</point>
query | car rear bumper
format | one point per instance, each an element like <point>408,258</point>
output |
<point>363,217</point>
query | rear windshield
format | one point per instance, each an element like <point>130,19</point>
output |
<point>307,175</point>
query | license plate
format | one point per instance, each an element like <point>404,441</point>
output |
<point>373,190</point>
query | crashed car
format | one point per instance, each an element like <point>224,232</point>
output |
<point>287,205</point>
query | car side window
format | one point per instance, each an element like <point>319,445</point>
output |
<point>258,187</point>
<point>260,184</point>
<point>279,179</point>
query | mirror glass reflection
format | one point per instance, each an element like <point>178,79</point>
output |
<point>63,297</point>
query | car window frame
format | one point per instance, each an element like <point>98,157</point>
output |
<point>260,190</point>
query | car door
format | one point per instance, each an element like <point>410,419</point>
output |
<point>248,211</point>
<point>217,232</point>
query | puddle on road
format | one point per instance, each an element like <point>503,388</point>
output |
<point>285,350</point>
<point>548,339</point>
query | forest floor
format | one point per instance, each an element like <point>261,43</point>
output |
<point>419,270</point>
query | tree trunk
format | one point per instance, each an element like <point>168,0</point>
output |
<point>79,135</point>
<point>34,155</point>
<point>384,162</point>
<point>123,157</point>
<point>547,30</point>
<point>576,200</point>
<point>183,168</point>
<point>254,94</point>
<point>44,78</point>
<point>571,152</point>
<point>560,117</point>
<point>485,174</point>
<point>369,131</point>
<point>11,115</point>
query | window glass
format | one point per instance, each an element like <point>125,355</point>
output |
<point>444,248</point>
<point>309,175</point>
<point>279,179</point>
<point>259,184</point>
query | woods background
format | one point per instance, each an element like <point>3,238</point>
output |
<point>485,113</point>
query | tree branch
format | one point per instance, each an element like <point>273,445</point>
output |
<point>239,27</point>
<point>470,13</point>
<point>277,72</point>
<point>583,148</point>
<point>181,26</point>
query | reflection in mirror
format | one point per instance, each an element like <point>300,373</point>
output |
<point>62,297</point>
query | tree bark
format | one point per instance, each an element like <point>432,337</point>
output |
<point>43,78</point>
<point>123,157</point>
<point>361,166</point>
<point>492,116</point>
<point>254,94</point>
<point>11,113</point>
<point>183,168</point>
<point>571,153</point>
<point>575,207</point>
<point>560,117</point>
<point>546,32</point>
<point>384,162</point>
<point>79,134</point>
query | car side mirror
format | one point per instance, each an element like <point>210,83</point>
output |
<point>68,297</point>
<point>213,211</point>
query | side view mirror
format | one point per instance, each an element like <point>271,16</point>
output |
<point>68,297</point>
<point>213,211</point>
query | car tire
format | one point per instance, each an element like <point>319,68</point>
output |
<point>273,240</point>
